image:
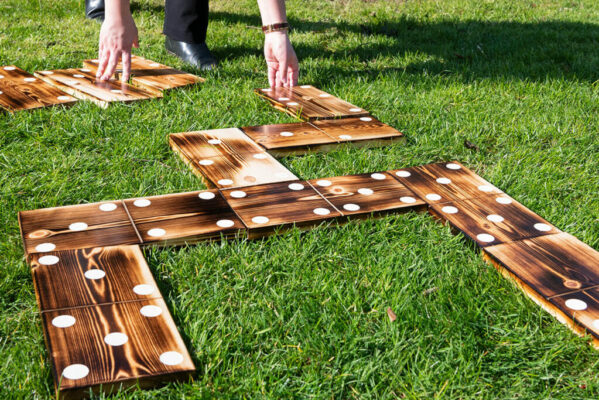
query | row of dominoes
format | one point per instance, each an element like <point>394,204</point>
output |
<point>550,263</point>
<point>20,90</point>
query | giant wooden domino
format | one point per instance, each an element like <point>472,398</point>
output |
<point>105,322</point>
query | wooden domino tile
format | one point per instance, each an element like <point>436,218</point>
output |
<point>151,75</point>
<point>20,90</point>
<point>552,265</point>
<point>362,131</point>
<point>366,193</point>
<point>82,84</point>
<point>493,219</point>
<point>76,227</point>
<point>114,345</point>
<point>266,207</point>
<point>199,145</point>
<point>183,217</point>
<point>291,139</point>
<point>75,278</point>
<point>444,182</point>
<point>310,103</point>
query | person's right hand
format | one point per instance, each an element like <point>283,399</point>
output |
<point>117,35</point>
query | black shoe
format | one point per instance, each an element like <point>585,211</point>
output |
<point>196,54</point>
<point>94,9</point>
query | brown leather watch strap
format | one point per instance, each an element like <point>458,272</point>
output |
<point>281,26</point>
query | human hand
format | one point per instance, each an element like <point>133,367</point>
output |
<point>117,35</point>
<point>281,60</point>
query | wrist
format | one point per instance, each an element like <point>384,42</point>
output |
<point>276,27</point>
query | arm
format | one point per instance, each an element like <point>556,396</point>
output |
<point>279,54</point>
<point>117,35</point>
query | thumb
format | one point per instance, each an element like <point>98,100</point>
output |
<point>136,43</point>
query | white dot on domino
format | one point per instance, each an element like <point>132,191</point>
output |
<point>542,227</point>
<point>407,200</point>
<point>78,76</point>
<point>351,207</point>
<point>94,274</point>
<point>366,119</point>
<point>576,304</point>
<point>225,223</point>
<point>107,207</point>
<point>283,98</point>
<point>322,211</point>
<point>444,181</point>
<point>143,289</point>
<point>115,339</point>
<point>345,137</point>
<point>63,98</point>
<point>485,188</point>
<point>225,182</point>
<point>206,162</point>
<point>365,191</point>
<point>403,174</point>
<point>45,247</point>
<point>453,166</point>
<point>206,195</point>
<point>503,200</point>
<point>171,358</point>
<point>150,311</point>
<point>305,86</point>
<point>156,232</point>
<point>324,182</point>
<point>214,141</point>
<point>260,156</point>
<point>323,95</point>
<point>433,197</point>
<point>78,226</point>
<point>75,371</point>
<point>378,176</point>
<point>260,220</point>
<point>355,109</point>
<point>142,203</point>
<point>48,260</point>
<point>296,186</point>
<point>63,321</point>
<point>238,194</point>
<point>485,237</point>
<point>292,103</point>
<point>29,79</point>
<point>286,134</point>
<point>495,218</point>
<point>449,210</point>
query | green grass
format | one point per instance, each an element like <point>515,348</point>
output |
<point>303,314</point>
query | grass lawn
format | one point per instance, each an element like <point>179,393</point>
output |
<point>508,87</point>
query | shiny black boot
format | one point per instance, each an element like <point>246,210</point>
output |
<point>94,9</point>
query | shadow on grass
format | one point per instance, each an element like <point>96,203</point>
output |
<point>473,49</point>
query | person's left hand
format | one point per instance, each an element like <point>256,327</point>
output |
<point>283,68</point>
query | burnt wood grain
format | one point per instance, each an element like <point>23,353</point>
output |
<point>20,90</point>
<point>363,131</point>
<point>200,145</point>
<point>367,193</point>
<point>76,227</point>
<point>92,276</point>
<point>82,84</point>
<point>493,219</point>
<point>291,139</point>
<point>552,265</point>
<point>444,182</point>
<point>309,103</point>
<point>114,345</point>
<point>266,207</point>
<point>151,75</point>
<point>180,218</point>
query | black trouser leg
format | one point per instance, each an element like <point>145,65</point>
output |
<point>186,20</point>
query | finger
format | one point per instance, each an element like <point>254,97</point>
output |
<point>272,75</point>
<point>126,72</point>
<point>283,65</point>
<point>293,76</point>
<point>279,79</point>
<point>104,56</point>
<point>111,66</point>
<point>136,42</point>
